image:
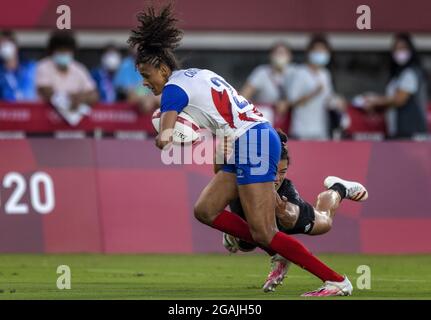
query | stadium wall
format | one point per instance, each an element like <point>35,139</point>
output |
<point>226,15</point>
<point>115,196</point>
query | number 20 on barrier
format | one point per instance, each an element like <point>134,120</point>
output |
<point>38,184</point>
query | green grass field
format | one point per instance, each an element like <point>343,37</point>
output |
<point>200,277</point>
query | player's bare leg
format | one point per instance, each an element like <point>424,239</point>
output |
<point>329,200</point>
<point>211,203</point>
<point>216,196</point>
<point>258,204</point>
<point>354,191</point>
<point>214,199</point>
<point>258,200</point>
<point>324,211</point>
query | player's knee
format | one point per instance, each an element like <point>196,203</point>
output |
<point>262,237</point>
<point>330,197</point>
<point>202,213</point>
<point>324,196</point>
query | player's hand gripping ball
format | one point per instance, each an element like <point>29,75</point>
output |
<point>185,130</point>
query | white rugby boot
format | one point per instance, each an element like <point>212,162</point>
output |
<point>355,191</point>
<point>279,268</point>
<point>332,288</point>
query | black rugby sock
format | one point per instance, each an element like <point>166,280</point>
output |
<point>342,191</point>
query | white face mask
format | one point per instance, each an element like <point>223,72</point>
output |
<point>7,50</point>
<point>319,58</point>
<point>62,59</point>
<point>280,60</point>
<point>111,60</point>
<point>401,56</point>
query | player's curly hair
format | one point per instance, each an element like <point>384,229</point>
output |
<point>284,149</point>
<point>156,37</point>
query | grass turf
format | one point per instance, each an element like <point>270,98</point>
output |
<point>200,277</point>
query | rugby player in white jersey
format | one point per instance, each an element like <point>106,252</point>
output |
<point>216,105</point>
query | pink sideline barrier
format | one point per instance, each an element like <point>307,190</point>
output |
<point>115,196</point>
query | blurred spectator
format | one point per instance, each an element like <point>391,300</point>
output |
<point>406,96</point>
<point>129,84</point>
<point>104,74</point>
<point>268,84</point>
<point>61,74</point>
<point>311,93</point>
<point>16,74</point>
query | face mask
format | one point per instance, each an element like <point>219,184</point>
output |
<point>7,50</point>
<point>280,60</point>
<point>401,56</point>
<point>319,58</point>
<point>111,60</point>
<point>62,59</point>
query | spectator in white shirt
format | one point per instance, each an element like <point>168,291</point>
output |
<point>268,84</point>
<point>311,93</point>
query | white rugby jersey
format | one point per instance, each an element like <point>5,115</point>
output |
<point>210,100</point>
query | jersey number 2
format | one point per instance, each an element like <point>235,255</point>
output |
<point>222,100</point>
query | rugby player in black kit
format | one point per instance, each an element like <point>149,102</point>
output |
<point>294,215</point>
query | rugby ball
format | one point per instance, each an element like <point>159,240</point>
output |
<point>185,130</point>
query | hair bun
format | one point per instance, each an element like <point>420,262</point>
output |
<point>156,31</point>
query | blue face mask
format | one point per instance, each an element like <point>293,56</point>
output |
<point>319,58</point>
<point>62,59</point>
